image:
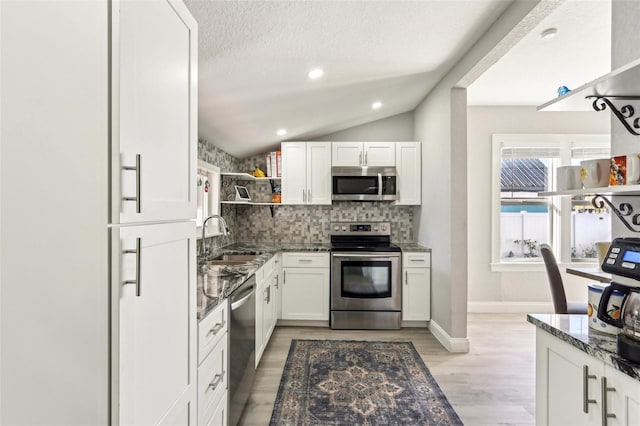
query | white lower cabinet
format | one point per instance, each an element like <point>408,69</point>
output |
<point>266,293</point>
<point>570,388</point>
<point>213,346</point>
<point>416,286</point>
<point>305,286</point>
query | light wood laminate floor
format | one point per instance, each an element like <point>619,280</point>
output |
<point>493,384</point>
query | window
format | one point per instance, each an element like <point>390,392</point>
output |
<point>524,166</point>
<point>208,190</point>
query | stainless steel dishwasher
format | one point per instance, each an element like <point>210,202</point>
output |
<point>242,349</point>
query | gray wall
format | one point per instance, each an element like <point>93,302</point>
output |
<point>440,124</point>
<point>397,128</point>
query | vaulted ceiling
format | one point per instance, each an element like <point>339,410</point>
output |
<point>254,57</point>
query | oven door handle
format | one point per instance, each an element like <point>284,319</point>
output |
<point>365,255</point>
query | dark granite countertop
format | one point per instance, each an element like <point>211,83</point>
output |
<point>217,282</point>
<point>412,247</point>
<point>574,329</point>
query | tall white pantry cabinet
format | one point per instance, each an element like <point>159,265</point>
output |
<point>98,147</point>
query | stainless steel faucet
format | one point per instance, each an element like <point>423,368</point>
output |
<point>225,228</point>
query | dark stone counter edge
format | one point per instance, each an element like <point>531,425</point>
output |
<point>627,367</point>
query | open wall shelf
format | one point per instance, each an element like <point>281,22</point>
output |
<point>247,176</point>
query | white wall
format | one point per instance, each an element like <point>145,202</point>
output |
<point>486,289</point>
<point>398,128</point>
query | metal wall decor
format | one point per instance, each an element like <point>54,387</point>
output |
<point>623,211</point>
<point>624,114</point>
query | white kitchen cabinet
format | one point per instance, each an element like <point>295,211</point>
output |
<point>156,288</point>
<point>306,173</point>
<point>266,319</point>
<point>112,357</point>
<point>305,286</point>
<point>154,123</point>
<point>213,371</point>
<point>409,169</point>
<point>569,386</point>
<point>416,286</point>
<point>358,154</point>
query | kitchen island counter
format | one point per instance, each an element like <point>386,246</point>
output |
<point>575,330</point>
<point>217,282</point>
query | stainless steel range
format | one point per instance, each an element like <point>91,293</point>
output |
<point>365,277</point>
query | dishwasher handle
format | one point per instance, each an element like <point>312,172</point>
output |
<point>242,297</point>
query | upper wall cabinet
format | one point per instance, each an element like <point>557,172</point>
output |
<point>409,168</point>
<point>306,173</point>
<point>154,126</point>
<point>360,154</point>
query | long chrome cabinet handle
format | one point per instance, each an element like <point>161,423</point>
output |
<point>366,159</point>
<point>138,253</point>
<point>360,159</point>
<point>380,185</point>
<point>406,277</point>
<point>137,198</point>
<point>605,415</point>
<point>304,196</point>
<point>216,328</point>
<point>308,195</point>
<point>217,379</point>
<point>585,389</point>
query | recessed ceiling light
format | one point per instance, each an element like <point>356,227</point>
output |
<point>549,33</point>
<point>376,105</point>
<point>316,73</point>
<point>281,132</point>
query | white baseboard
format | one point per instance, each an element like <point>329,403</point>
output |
<point>452,344</point>
<point>510,307</point>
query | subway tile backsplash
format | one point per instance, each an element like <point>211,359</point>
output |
<point>292,224</point>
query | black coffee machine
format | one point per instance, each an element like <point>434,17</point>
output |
<point>623,260</point>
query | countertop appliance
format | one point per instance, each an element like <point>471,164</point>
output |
<point>365,276</point>
<point>242,347</point>
<point>364,183</point>
<point>623,261</point>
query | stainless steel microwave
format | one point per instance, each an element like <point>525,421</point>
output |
<point>364,183</point>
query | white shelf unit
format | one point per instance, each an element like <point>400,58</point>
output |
<point>621,82</point>
<point>251,178</point>
<point>247,176</point>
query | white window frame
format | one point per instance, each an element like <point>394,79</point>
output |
<point>212,200</point>
<point>560,207</point>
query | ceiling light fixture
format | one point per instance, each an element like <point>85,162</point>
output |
<point>281,132</point>
<point>549,33</point>
<point>316,73</point>
<point>376,105</point>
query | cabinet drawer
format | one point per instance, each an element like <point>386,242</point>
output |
<point>211,329</point>
<point>212,380</point>
<point>416,260</point>
<point>304,260</point>
<point>216,415</point>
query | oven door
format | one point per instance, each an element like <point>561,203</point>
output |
<point>365,281</point>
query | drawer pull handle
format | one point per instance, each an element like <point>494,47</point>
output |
<point>216,328</point>
<point>605,414</point>
<point>585,389</point>
<point>138,253</point>
<point>217,379</point>
<point>137,198</point>
<point>305,260</point>
<point>416,260</point>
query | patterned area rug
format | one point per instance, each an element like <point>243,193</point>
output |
<point>338,382</point>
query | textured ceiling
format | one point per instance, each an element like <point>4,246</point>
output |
<point>254,57</point>
<point>532,71</point>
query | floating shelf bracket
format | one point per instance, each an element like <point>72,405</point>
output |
<point>623,211</point>
<point>625,114</point>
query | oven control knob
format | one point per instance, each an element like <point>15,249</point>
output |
<point>344,229</point>
<point>375,228</point>
<point>383,227</point>
<point>336,228</point>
